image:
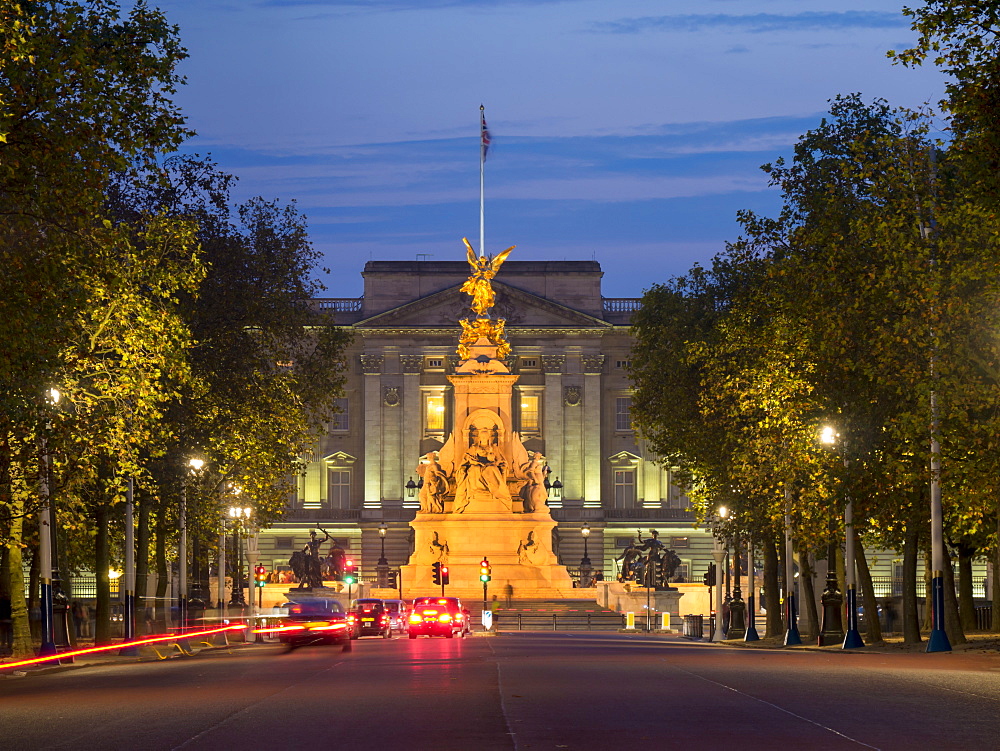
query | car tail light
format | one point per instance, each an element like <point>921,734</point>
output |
<point>415,618</point>
<point>444,617</point>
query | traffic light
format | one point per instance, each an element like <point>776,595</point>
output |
<point>349,576</point>
<point>709,578</point>
<point>260,574</point>
<point>445,579</point>
<point>484,571</point>
<point>436,572</point>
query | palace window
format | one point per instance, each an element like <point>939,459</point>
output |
<point>434,413</point>
<point>624,488</point>
<point>623,413</point>
<point>530,419</point>
<point>341,420</point>
<point>339,488</point>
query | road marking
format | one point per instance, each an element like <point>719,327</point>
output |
<point>775,706</point>
<point>249,707</point>
<point>503,703</point>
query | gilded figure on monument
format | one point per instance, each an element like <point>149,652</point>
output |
<point>435,483</point>
<point>484,268</point>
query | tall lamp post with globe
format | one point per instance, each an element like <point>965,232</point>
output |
<point>586,568</point>
<point>240,516</point>
<point>382,567</point>
<point>194,466</point>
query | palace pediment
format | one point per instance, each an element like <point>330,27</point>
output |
<point>521,309</point>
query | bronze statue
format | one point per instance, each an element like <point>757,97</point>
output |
<point>306,564</point>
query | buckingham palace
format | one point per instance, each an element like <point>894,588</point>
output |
<point>572,402</point>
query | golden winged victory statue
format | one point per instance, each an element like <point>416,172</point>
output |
<point>478,285</point>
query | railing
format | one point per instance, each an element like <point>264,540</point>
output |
<point>322,514</point>
<point>649,513</point>
<point>622,304</point>
<point>558,621</point>
<point>892,586</point>
<point>340,304</point>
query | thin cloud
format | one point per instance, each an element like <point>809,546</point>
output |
<point>757,22</point>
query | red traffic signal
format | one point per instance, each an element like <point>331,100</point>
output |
<point>260,575</point>
<point>445,579</point>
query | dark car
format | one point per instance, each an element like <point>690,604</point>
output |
<point>371,618</point>
<point>438,616</point>
<point>319,622</point>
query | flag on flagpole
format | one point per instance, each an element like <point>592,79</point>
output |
<point>484,132</point>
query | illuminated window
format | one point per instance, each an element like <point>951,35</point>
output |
<point>623,413</point>
<point>340,488</point>
<point>340,420</point>
<point>529,414</point>
<point>624,488</point>
<point>435,362</point>
<point>434,413</point>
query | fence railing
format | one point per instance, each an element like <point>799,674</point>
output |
<point>892,586</point>
<point>558,621</point>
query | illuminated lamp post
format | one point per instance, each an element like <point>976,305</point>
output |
<point>719,554</point>
<point>195,466</point>
<point>832,631</point>
<point>238,514</point>
<point>586,568</point>
<point>852,635</point>
<point>45,534</point>
<point>382,567</point>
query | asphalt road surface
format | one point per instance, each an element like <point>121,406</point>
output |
<point>515,691</point>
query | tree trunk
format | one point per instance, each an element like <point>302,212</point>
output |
<point>22,642</point>
<point>952,622</point>
<point>911,615</point>
<point>102,567</point>
<point>809,623</point>
<point>874,629</point>
<point>995,623</point>
<point>141,564</point>
<point>966,597</point>
<point>772,592</point>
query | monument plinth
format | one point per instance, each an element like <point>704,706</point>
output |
<point>482,494</point>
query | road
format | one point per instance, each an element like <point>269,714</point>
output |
<point>515,691</point>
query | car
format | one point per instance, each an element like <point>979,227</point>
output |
<point>398,612</point>
<point>438,616</point>
<point>371,618</point>
<point>315,622</point>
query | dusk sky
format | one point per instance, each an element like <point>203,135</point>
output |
<point>624,131</point>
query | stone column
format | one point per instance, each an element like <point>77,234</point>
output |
<point>593,365</point>
<point>554,426</point>
<point>411,366</point>
<point>371,366</point>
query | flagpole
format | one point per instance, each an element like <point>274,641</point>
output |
<point>482,181</point>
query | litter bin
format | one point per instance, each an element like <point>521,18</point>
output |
<point>693,626</point>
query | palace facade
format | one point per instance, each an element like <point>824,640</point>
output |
<point>572,402</point>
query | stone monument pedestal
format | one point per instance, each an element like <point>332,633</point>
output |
<point>518,547</point>
<point>628,598</point>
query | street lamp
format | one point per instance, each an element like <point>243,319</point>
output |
<point>832,631</point>
<point>238,514</point>
<point>194,466</point>
<point>852,636</point>
<point>411,488</point>
<point>719,554</point>
<point>557,489</point>
<point>585,566</point>
<point>382,567</point>
<point>46,530</point>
